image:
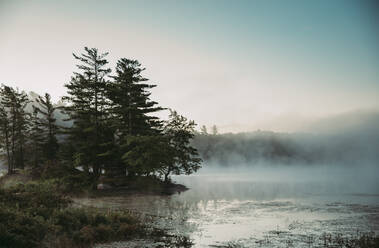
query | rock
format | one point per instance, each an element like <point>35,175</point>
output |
<point>103,186</point>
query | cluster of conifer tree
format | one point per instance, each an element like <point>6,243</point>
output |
<point>113,129</point>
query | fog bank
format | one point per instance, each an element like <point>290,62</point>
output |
<point>351,139</point>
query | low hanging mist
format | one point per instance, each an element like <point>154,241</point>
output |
<point>341,156</point>
<point>338,141</point>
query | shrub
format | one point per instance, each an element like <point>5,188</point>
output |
<point>18,229</point>
<point>126,230</point>
<point>86,236</point>
<point>35,198</point>
<point>38,214</point>
<point>100,219</point>
<point>66,221</point>
<point>104,233</point>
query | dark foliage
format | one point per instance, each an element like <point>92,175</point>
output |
<point>113,132</point>
<point>39,215</point>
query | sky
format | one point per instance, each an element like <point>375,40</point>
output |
<point>242,65</point>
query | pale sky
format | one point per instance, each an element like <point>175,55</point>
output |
<point>242,65</point>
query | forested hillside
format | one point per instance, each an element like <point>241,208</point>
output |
<point>355,145</point>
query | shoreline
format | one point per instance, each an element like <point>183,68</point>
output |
<point>127,191</point>
<point>79,218</point>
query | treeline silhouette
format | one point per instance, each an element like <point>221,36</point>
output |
<point>112,129</point>
<point>349,147</point>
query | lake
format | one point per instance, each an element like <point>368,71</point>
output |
<point>260,207</point>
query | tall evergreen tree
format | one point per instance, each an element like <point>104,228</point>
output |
<point>132,117</point>
<point>214,130</point>
<point>132,107</point>
<point>14,103</point>
<point>203,130</point>
<point>87,109</point>
<point>36,138</point>
<point>5,132</point>
<point>49,126</point>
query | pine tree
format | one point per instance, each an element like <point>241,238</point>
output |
<point>132,115</point>
<point>36,138</point>
<point>22,125</point>
<point>5,130</point>
<point>132,108</point>
<point>87,109</point>
<point>49,126</point>
<point>214,130</point>
<point>14,103</point>
<point>203,130</point>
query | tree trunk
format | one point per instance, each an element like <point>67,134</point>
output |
<point>8,152</point>
<point>166,176</point>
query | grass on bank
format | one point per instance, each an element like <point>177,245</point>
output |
<point>40,214</point>
<point>37,214</point>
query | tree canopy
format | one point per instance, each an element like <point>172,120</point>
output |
<point>114,129</point>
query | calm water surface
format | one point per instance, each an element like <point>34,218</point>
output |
<point>263,209</point>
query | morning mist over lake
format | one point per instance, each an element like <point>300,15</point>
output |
<point>178,123</point>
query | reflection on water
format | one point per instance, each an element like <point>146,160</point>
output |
<point>245,211</point>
